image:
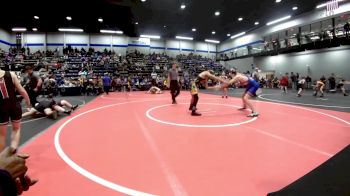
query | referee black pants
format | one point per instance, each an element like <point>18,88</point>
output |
<point>32,96</point>
<point>174,89</point>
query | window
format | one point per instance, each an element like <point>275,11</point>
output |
<point>340,21</point>
<point>327,25</point>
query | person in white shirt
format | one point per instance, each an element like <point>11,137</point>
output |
<point>300,86</point>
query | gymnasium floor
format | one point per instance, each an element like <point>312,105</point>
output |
<point>139,144</point>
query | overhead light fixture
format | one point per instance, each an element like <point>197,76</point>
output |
<point>325,4</point>
<point>256,23</point>
<point>183,6</point>
<point>228,35</point>
<point>143,0</point>
<point>136,23</point>
<point>70,30</point>
<point>111,31</point>
<point>100,20</point>
<point>185,38</point>
<point>36,17</point>
<point>19,29</point>
<point>34,29</point>
<point>238,35</point>
<point>69,18</point>
<point>240,19</point>
<point>277,1</point>
<point>217,13</point>
<point>150,36</point>
<point>278,20</point>
<point>212,41</point>
<point>194,30</point>
<point>295,8</point>
<point>213,32</point>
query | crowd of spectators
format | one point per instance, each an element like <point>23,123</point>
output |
<point>84,69</point>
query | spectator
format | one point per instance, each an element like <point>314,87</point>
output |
<point>107,82</point>
<point>347,29</point>
<point>332,83</point>
<point>32,84</point>
<point>10,108</point>
<point>308,82</point>
<point>284,83</point>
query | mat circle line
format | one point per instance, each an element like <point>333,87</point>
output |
<point>117,187</point>
<point>196,126</point>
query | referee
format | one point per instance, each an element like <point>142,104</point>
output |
<point>173,77</point>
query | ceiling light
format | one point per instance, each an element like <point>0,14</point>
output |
<point>325,4</point>
<point>100,20</point>
<point>185,38</point>
<point>212,41</point>
<point>36,17</point>
<point>238,35</point>
<point>183,6</point>
<point>278,20</point>
<point>217,13</point>
<point>34,29</point>
<point>277,1</point>
<point>70,30</point>
<point>19,29</point>
<point>69,18</point>
<point>136,23</point>
<point>295,8</point>
<point>228,35</point>
<point>194,29</point>
<point>213,32</point>
<point>143,0</point>
<point>150,36</point>
<point>256,23</point>
<point>240,19</point>
<point>111,31</point>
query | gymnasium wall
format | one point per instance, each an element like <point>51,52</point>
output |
<point>54,41</point>
<point>314,63</point>
<point>256,35</point>
<point>35,41</point>
<point>5,40</point>
<point>120,44</point>
<point>242,65</point>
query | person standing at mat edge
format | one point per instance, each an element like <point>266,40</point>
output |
<point>173,77</point>
<point>32,84</point>
<point>10,108</point>
<point>107,81</point>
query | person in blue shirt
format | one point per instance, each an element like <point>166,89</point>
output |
<point>107,81</point>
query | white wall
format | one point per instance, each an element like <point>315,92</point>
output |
<point>258,34</point>
<point>100,42</point>
<point>313,63</point>
<point>5,40</point>
<point>54,41</point>
<point>242,65</point>
<point>34,41</point>
<point>77,40</point>
<point>173,47</point>
<point>119,43</point>
<point>157,46</point>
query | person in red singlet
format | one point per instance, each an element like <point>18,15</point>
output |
<point>10,108</point>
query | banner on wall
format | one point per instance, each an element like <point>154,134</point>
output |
<point>138,41</point>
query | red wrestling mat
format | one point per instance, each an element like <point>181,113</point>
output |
<point>138,144</point>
